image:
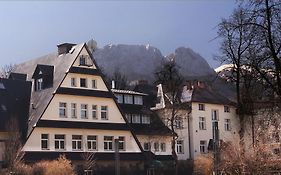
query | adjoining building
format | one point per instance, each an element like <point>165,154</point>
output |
<point>72,111</point>
<point>203,116</point>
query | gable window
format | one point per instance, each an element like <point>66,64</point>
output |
<point>73,82</point>
<point>94,111</point>
<point>62,109</point>
<point>59,142</point>
<point>94,84</point>
<point>83,82</point>
<point>138,100</point>
<point>44,141</point>
<point>121,143</point>
<point>82,60</point>
<point>73,110</point>
<point>129,117</point>
<point>226,109</point>
<point>179,123</point>
<point>145,119</point>
<point>104,113</point>
<point>146,146</point>
<point>179,145</point>
<point>119,98</point>
<point>202,123</point>
<point>76,142</point>
<point>128,99</point>
<point>108,143</point>
<point>38,84</point>
<point>136,118</point>
<point>203,147</point>
<point>227,125</point>
<point>84,111</point>
<point>215,115</point>
<point>156,146</point>
<point>163,147</point>
<point>201,107</point>
<point>92,142</point>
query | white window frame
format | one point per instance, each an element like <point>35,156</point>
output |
<point>62,109</point>
<point>39,84</point>
<point>104,113</point>
<point>145,119</point>
<point>129,117</point>
<point>73,110</point>
<point>148,145</point>
<point>226,109</point>
<point>180,146</point>
<point>202,123</point>
<point>122,143</point>
<point>73,82</point>
<point>94,84</point>
<point>203,147</point>
<point>156,146</point>
<point>201,107</point>
<point>136,118</point>
<point>178,123</point>
<point>108,143</point>
<point>77,142</point>
<point>128,99</point>
<point>138,100</point>
<point>120,98</point>
<point>163,147</point>
<point>82,60</point>
<point>46,140</point>
<point>86,85</point>
<point>92,142</point>
<point>215,115</point>
<point>94,111</point>
<point>60,142</point>
<point>227,124</point>
<point>84,111</point>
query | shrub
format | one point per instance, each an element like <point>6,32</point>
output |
<point>203,165</point>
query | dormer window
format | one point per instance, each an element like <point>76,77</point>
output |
<point>43,77</point>
<point>39,84</point>
<point>138,100</point>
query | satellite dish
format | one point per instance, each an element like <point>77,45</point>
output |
<point>92,45</point>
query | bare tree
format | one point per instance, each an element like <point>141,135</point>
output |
<point>89,161</point>
<point>6,70</point>
<point>172,81</point>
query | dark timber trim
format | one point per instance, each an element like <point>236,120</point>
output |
<point>84,92</point>
<point>86,71</point>
<point>82,125</point>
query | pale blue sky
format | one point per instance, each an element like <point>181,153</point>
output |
<point>31,29</point>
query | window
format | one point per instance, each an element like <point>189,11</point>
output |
<point>119,98</point>
<point>178,123</point>
<point>138,100</point>
<point>94,84</point>
<point>62,109</point>
<point>227,125</point>
<point>104,113</point>
<point>44,141</point>
<point>73,82</point>
<point>163,147</point>
<point>129,117</point>
<point>203,146</point>
<point>201,107</point>
<point>39,84</point>
<point>76,142</point>
<point>156,146</point>
<point>179,146</point>
<point>92,142</point>
<point>84,111</point>
<point>146,146</point>
<point>136,118</point>
<point>83,82</point>
<point>215,115</point>
<point>202,123</point>
<point>121,143</point>
<point>73,110</point>
<point>145,119</point>
<point>226,109</point>
<point>94,111</point>
<point>128,99</point>
<point>59,141</point>
<point>108,143</point>
<point>82,60</point>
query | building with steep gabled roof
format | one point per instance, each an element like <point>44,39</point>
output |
<point>72,110</point>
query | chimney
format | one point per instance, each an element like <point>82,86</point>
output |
<point>64,48</point>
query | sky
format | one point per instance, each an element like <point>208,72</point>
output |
<point>29,29</point>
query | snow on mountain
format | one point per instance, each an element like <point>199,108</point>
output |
<point>140,61</point>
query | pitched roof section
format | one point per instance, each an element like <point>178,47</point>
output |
<point>42,98</point>
<point>119,91</point>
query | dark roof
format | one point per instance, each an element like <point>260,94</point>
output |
<point>14,103</point>
<point>41,99</point>
<point>208,95</point>
<point>45,69</point>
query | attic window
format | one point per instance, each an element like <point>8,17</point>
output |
<point>82,60</point>
<point>43,77</point>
